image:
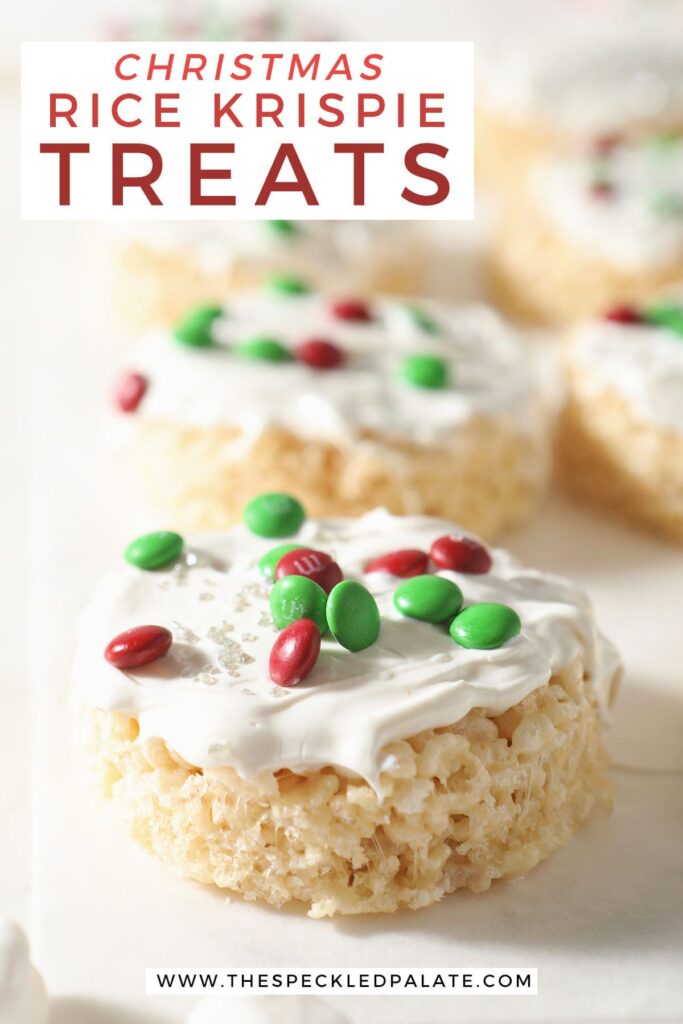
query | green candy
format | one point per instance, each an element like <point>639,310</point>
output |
<point>268,562</point>
<point>195,329</point>
<point>423,320</point>
<point>485,626</point>
<point>274,515</point>
<point>298,597</point>
<point>283,227</point>
<point>268,350</point>
<point>154,550</point>
<point>668,204</point>
<point>666,314</point>
<point>424,371</point>
<point>430,598</point>
<point>352,615</point>
<point>663,142</point>
<point>287,284</point>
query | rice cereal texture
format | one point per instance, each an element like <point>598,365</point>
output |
<point>482,799</point>
<point>156,287</point>
<point>539,276</point>
<point>611,458</point>
<point>487,479</point>
<point>506,147</point>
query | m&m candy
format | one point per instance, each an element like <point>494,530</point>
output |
<point>138,646</point>
<point>424,371</point>
<point>315,565</point>
<point>406,562</point>
<point>485,626</point>
<point>274,515</point>
<point>294,653</point>
<point>319,354</point>
<point>352,310</point>
<point>429,598</point>
<point>297,597</point>
<point>353,616</point>
<point>154,550</point>
<point>460,554</point>
<point>130,391</point>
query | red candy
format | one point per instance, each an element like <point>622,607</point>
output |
<point>139,646</point>
<point>602,190</point>
<point>320,354</point>
<point>351,309</point>
<point>460,554</point>
<point>130,391</point>
<point>603,145</point>
<point>405,563</point>
<point>317,565</point>
<point>623,315</point>
<point>294,653</point>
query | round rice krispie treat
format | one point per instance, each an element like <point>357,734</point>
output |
<point>348,404</point>
<point>357,714</point>
<point>165,267</point>
<point>593,229</point>
<point>621,432</point>
<point>576,81</point>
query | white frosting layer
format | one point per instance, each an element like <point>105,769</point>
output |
<point>330,252</point>
<point>214,702</point>
<point>642,363</point>
<point>628,228</point>
<point>489,373</point>
<point>585,82</point>
<point>23,999</point>
<point>264,1010</point>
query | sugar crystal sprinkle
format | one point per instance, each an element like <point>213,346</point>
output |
<point>205,679</point>
<point>219,634</point>
<point>183,634</point>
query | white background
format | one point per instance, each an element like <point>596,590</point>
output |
<point>600,919</point>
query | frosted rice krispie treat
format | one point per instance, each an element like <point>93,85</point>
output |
<point>621,433</point>
<point>593,229</point>
<point>574,82</point>
<point>357,714</point>
<point>347,403</point>
<point>165,267</point>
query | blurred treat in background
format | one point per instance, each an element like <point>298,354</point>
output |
<point>347,404</point>
<point>621,432</point>
<point>586,70</point>
<point>162,268</point>
<point>215,20</point>
<point>592,229</point>
<point>165,267</point>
